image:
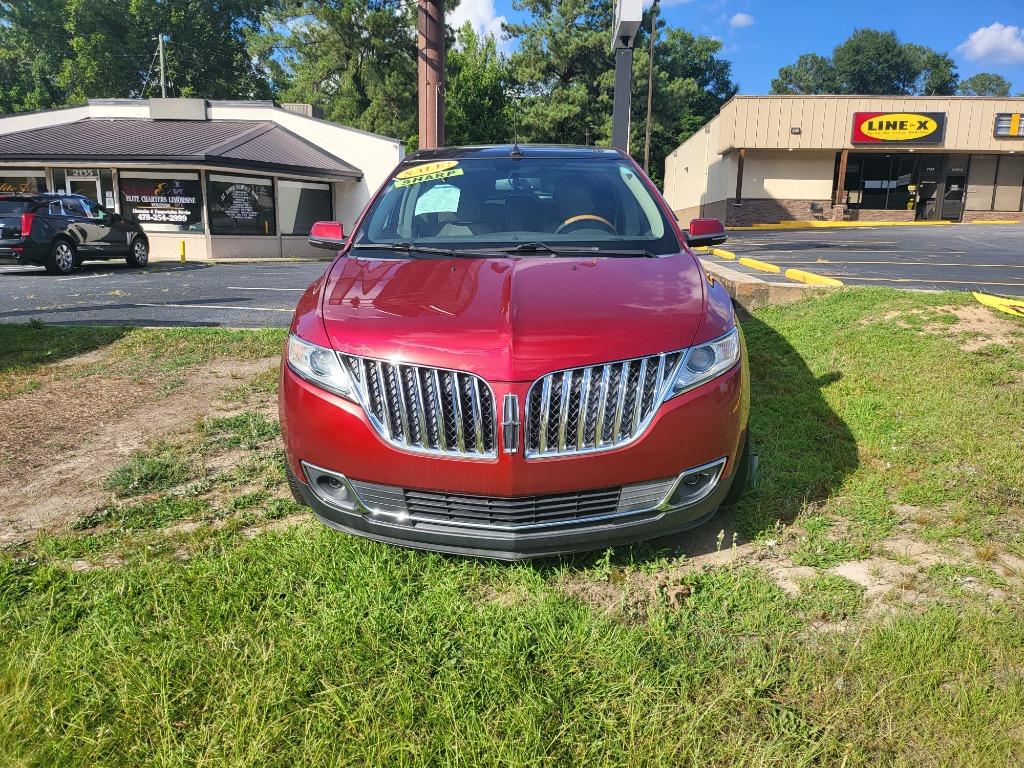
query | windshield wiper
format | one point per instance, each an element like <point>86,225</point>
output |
<point>575,250</point>
<point>414,250</point>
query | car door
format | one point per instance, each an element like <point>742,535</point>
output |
<point>112,229</point>
<point>80,227</point>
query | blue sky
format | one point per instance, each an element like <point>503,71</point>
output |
<point>759,36</point>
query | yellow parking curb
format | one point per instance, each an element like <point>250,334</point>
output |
<point>997,221</point>
<point>722,254</point>
<point>760,266</point>
<point>794,224</point>
<point>1002,304</point>
<point>812,279</point>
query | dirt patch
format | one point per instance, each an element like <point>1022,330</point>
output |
<point>973,325</point>
<point>63,439</point>
<point>980,325</point>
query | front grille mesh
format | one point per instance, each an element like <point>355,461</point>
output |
<point>426,409</point>
<point>512,513</point>
<point>597,407</point>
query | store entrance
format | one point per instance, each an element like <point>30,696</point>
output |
<point>913,186</point>
<point>953,197</point>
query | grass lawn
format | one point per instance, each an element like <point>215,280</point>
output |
<point>863,607</point>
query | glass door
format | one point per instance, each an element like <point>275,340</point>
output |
<point>89,186</point>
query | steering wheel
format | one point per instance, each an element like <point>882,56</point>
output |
<point>586,217</point>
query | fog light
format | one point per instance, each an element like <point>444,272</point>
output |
<point>330,487</point>
<point>695,484</point>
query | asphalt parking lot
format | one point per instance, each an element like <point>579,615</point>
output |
<point>974,257</point>
<point>986,258</point>
<point>165,293</point>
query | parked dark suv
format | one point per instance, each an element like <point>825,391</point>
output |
<point>61,231</point>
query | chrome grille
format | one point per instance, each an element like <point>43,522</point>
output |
<point>595,408</point>
<point>430,410</point>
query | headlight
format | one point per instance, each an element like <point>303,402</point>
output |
<point>319,366</point>
<point>705,362</point>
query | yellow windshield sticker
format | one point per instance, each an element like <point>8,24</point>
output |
<point>426,168</point>
<point>432,176</point>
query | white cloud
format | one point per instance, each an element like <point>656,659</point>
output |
<point>997,42</point>
<point>481,14</point>
<point>740,20</point>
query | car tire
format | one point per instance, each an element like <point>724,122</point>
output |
<point>63,257</point>
<point>138,255</point>
<point>295,486</point>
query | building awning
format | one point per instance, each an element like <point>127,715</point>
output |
<point>245,145</point>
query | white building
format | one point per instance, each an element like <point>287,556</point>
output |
<point>231,179</point>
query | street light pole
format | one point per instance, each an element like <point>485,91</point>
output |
<point>163,68</point>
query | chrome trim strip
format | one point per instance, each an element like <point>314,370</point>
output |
<point>581,420</point>
<point>421,410</point>
<point>460,437</point>
<point>602,407</point>
<point>563,408</point>
<point>620,407</point>
<point>545,407</point>
<point>474,399</point>
<point>438,405</point>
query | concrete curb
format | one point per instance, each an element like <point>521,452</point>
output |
<point>811,278</point>
<point>760,266</point>
<point>719,252</point>
<point>752,292</point>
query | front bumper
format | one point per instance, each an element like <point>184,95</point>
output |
<point>699,427</point>
<point>653,520</point>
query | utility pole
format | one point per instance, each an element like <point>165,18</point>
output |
<point>163,68</point>
<point>430,72</point>
<point>650,87</point>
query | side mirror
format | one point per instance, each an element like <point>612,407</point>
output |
<point>706,232</point>
<point>327,234</point>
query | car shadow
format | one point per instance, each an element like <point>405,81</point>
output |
<point>26,345</point>
<point>91,269</point>
<point>805,452</point>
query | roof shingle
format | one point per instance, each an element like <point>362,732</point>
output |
<point>233,143</point>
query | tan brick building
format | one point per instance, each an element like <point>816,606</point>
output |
<point>765,159</point>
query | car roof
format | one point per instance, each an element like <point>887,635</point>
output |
<point>560,151</point>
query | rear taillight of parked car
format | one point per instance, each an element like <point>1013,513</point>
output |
<point>26,223</point>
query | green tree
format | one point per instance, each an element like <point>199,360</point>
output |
<point>811,74</point>
<point>984,84</point>
<point>478,83</point>
<point>57,52</point>
<point>936,72</point>
<point>874,63</point>
<point>356,59</point>
<point>565,73</point>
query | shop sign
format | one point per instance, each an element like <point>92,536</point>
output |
<point>241,205</point>
<point>1010,125</point>
<point>898,127</point>
<point>162,201</point>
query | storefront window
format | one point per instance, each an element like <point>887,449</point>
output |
<point>27,181</point>
<point>302,203</point>
<point>241,205</point>
<point>162,201</point>
<point>886,182</point>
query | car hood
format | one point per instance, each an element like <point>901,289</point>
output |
<point>512,319</point>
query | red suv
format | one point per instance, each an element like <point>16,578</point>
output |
<point>515,354</point>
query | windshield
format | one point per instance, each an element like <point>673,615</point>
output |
<point>478,204</point>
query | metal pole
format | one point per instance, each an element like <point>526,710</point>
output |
<point>430,72</point>
<point>621,105</point>
<point>163,69</point>
<point>650,87</point>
